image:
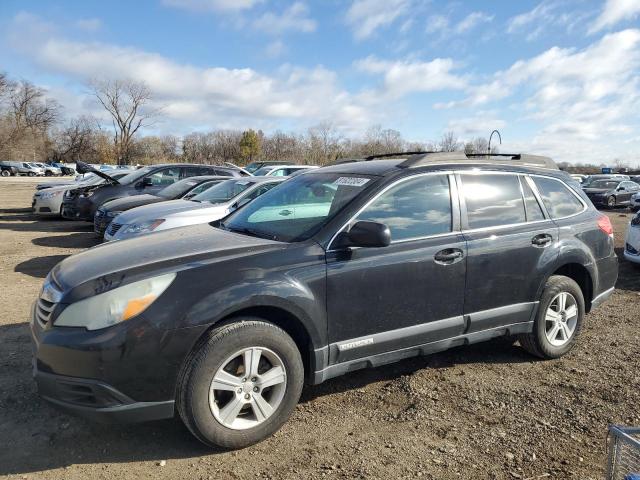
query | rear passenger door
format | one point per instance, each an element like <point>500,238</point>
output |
<point>510,239</point>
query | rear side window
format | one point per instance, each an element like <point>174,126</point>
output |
<point>534,211</point>
<point>493,200</point>
<point>414,208</point>
<point>557,197</point>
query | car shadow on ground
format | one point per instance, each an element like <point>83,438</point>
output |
<point>628,273</point>
<point>73,240</point>
<point>48,439</point>
<point>39,267</point>
<point>31,223</point>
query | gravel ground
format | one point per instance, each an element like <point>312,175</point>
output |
<point>484,411</point>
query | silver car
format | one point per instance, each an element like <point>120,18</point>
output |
<point>212,204</point>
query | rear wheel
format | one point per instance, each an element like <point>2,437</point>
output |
<point>31,174</point>
<point>611,202</point>
<point>5,173</point>
<point>558,321</point>
<point>240,384</point>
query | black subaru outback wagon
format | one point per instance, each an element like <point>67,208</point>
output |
<point>341,268</point>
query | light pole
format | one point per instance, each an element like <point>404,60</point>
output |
<point>490,136</point>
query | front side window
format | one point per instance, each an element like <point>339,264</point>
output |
<point>493,200</point>
<point>299,207</point>
<point>557,197</point>
<point>201,188</point>
<point>415,208</point>
<point>165,176</point>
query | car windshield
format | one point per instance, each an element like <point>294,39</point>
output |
<point>133,177</point>
<point>178,189</point>
<point>608,184</point>
<point>224,191</point>
<point>252,167</point>
<point>263,170</point>
<point>299,207</point>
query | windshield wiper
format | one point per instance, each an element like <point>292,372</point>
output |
<point>248,231</point>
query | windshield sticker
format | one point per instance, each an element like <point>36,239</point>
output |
<point>351,181</point>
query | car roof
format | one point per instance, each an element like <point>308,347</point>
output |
<point>261,179</point>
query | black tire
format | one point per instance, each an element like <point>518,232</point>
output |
<point>31,174</point>
<point>536,342</point>
<point>205,359</point>
<point>611,202</point>
<point>5,173</point>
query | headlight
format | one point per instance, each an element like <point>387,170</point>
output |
<point>144,227</point>
<point>111,214</point>
<point>88,193</point>
<point>50,194</point>
<point>115,306</point>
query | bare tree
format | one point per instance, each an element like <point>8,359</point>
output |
<point>126,102</point>
<point>449,142</point>
<point>76,140</point>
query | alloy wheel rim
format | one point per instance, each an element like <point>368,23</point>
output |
<point>612,201</point>
<point>561,319</point>
<point>248,388</point>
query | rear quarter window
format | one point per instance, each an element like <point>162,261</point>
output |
<point>557,197</point>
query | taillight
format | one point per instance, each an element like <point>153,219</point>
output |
<point>604,224</point>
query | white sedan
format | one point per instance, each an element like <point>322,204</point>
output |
<point>632,242</point>
<point>211,205</point>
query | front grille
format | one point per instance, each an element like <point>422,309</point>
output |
<point>46,303</point>
<point>43,311</point>
<point>114,227</point>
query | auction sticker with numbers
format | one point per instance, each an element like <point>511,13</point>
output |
<point>351,181</point>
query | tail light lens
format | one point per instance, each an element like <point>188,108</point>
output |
<point>604,224</point>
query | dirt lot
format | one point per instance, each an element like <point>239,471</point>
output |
<point>485,411</point>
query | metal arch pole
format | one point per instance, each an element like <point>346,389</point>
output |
<point>490,137</point>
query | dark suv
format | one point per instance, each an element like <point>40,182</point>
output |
<point>82,203</point>
<point>345,267</point>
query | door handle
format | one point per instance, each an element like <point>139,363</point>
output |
<point>285,212</point>
<point>448,256</point>
<point>542,240</point>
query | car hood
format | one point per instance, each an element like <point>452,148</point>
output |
<point>108,265</point>
<point>48,186</point>
<point>171,208</point>
<point>82,167</point>
<point>127,203</point>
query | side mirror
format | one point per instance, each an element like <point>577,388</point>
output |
<point>365,234</point>
<point>145,182</point>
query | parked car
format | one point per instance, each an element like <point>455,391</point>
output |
<point>48,202</point>
<point>611,192</point>
<point>81,204</point>
<point>281,170</point>
<point>632,241</point>
<point>8,170</point>
<point>578,178</point>
<point>64,169</point>
<point>49,170</point>
<point>613,176</point>
<point>211,205</point>
<point>24,168</point>
<point>184,189</point>
<point>349,266</point>
<point>635,202</point>
<point>253,166</point>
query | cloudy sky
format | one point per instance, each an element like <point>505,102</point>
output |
<point>558,77</point>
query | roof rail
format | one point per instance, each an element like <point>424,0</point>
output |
<point>422,159</point>
<point>396,154</point>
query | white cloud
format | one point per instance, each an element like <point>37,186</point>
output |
<point>366,16</point>
<point>578,99</point>
<point>615,11</point>
<point>212,5</point>
<point>294,18</point>
<point>404,77</point>
<point>442,25</point>
<point>275,49</point>
<point>471,21</point>
<point>89,24</point>
<point>548,14</point>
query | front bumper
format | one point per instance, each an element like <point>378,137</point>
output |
<point>47,206</point>
<point>72,211</point>
<point>97,401</point>
<point>632,244</point>
<point>101,222</point>
<point>127,372</point>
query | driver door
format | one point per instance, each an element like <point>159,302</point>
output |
<point>410,292</point>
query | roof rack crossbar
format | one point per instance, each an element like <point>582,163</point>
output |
<point>395,154</point>
<point>455,157</point>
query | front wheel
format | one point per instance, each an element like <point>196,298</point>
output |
<point>31,174</point>
<point>5,173</point>
<point>611,202</point>
<point>558,321</point>
<point>240,384</point>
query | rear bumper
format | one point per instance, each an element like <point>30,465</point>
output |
<point>97,401</point>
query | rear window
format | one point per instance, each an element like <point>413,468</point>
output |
<point>493,200</point>
<point>557,197</point>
